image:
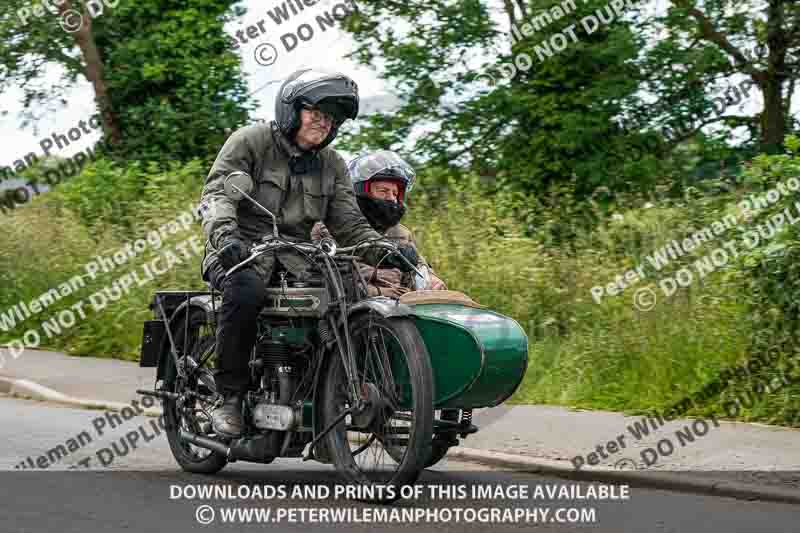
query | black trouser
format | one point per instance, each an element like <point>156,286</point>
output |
<point>243,295</point>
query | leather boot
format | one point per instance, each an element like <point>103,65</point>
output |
<point>227,420</point>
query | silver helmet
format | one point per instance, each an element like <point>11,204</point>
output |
<point>333,92</point>
<point>383,164</point>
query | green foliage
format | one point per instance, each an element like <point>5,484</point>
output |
<point>544,125</point>
<point>774,289</point>
<point>644,99</point>
<point>174,82</point>
<point>704,52</point>
<point>128,196</point>
<point>25,50</point>
<point>50,240</point>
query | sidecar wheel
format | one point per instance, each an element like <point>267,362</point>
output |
<point>442,443</point>
<point>388,443</point>
<point>193,415</point>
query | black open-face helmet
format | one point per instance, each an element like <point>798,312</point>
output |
<point>333,92</point>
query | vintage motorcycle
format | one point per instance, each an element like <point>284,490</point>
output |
<point>379,387</point>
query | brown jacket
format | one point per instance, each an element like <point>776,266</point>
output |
<point>387,281</point>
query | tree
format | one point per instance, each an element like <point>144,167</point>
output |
<point>526,109</point>
<point>163,75</point>
<point>34,38</point>
<point>713,47</point>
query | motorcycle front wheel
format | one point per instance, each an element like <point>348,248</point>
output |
<point>388,442</point>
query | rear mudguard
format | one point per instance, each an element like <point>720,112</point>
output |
<point>166,370</point>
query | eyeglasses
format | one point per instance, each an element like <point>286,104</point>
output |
<point>317,114</point>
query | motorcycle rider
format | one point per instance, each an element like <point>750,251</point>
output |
<point>381,182</point>
<point>301,181</point>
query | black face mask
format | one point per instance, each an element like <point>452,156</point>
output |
<point>381,214</point>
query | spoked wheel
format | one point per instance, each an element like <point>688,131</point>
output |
<point>388,441</point>
<point>193,414</point>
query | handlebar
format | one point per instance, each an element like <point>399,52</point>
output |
<point>325,246</point>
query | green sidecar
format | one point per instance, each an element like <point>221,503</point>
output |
<point>479,357</point>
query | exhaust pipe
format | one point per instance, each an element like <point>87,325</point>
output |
<point>205,442</point>
<point>163,395</point>
<point>254,450</point>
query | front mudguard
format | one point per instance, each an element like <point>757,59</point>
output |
<point>383,305</point>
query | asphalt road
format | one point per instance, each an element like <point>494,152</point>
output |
<point>141,489</point>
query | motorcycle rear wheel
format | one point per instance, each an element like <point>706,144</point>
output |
<point>395,373</point>
<point>194,414</point>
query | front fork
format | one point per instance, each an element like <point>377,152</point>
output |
<point>345,348</point>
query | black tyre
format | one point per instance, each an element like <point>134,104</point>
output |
<point>389,442</point>
<point>443,442</point>
<point>194,414</point>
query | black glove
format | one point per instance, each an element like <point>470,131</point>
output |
<point>409,252</point>
<point>232,252</point>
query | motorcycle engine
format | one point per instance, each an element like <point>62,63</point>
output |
<point>279,365</point>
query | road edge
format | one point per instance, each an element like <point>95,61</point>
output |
<point>22,388</point>
<point>30,390</point>
<point>651,479</point>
